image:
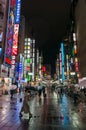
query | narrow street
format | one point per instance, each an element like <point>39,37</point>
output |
<point>48,114</point>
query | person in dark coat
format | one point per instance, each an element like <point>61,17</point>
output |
<point>39,90</point>
<point>75,96</point>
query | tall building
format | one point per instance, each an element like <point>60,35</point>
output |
<point>20,56</point>
<point>9,36</point>
<point>3,23</point>
<point>80,20</point>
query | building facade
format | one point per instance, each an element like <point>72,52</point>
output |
<point>80,20</point>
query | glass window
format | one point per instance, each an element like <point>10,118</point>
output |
<point>28,51</point>
<point>25,43</point>
<point>28,47</point>
<point>25,47</point>
<point>25,55</point>
<point>25,39</point>
<point>29,39</point>
<point>29,43</point>
<point>25,51</point>
<point>28,56</point>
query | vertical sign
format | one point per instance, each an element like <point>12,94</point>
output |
<point>10,32</point>
<point>60,63</point>
<point>16,31</point>
<point>62,49</point>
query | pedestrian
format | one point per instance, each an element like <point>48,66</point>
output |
<point>11,93</point>
<point>25,112</point>
<point>75,96</point>
<point>39,91</point>
<point>12,89</point>
<point>44,93</point>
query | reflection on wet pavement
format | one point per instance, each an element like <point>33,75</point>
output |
<point>48,114</point>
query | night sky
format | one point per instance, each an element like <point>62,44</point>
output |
<point>48,20</point>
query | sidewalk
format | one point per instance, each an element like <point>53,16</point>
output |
<point>9,112</point>
<point>48,114</point>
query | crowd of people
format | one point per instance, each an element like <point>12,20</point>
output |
<point>40,90</point>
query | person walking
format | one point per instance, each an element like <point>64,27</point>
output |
<point>25,112</point>
<point>39,91</point>
<point>13,87</point>
<point>44,93</point>
<point>75,97</point>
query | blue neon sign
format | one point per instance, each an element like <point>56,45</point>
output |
<point>17,14</point>
<point>62,49</point>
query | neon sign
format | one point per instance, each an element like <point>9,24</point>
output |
<point>18,7</point>
<point>62,50</point>
<point>10,32</point>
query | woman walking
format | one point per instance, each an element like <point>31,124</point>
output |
<point>25,112</point>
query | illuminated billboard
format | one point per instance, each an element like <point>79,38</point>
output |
<point>10,32</point>
<point>60,62</point>
<point>62,52</point>
<point>15,40</point>
<point>16,31</point>
<point>17,14</point>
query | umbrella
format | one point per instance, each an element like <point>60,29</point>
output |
<point>31,88</point>
<point>55,82</point>
<point>82,82</point>
<point>13,87</point>
<point>76,85</point>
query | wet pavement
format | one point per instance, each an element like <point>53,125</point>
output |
<point>49,113</point>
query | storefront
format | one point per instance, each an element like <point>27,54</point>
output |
<point>5,84</point>
<point>5,81</point>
